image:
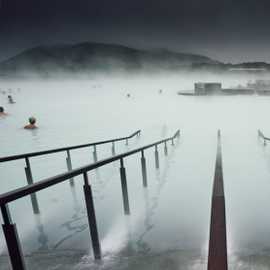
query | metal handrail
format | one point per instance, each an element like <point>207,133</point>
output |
<point>56,150</point>
<point>9,228</point>
<point>42,184</point>
<point>260,133</point>
<point>27,156</point>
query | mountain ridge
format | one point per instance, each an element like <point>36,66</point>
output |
<point>98,57</point>
<point>89,57</point>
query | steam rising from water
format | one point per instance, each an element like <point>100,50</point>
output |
<point>79,111</point>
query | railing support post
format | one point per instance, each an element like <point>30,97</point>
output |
<point>172,141</point>
<point>124,187</point>
<point>95,154</point>
<point>144,173</point>
<point>113,148</point>
<point>165,149</point>
<point>12,240</point>
<point>29,178</point>
<point>126,141</point>
<point>156,157</point>
<point>69,167</point>
<point>91,217</point>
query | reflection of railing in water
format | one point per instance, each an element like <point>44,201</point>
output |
<point>217,253</point>
<point>151,206</point>
<point>261,135</point>
<point>10,231</point>
<point>27,156</point>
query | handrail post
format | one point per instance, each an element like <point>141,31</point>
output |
<point>113,148</point>
<point>12,240</point>
<point>172,141</point>
<point>124,187</point>
<point>144,173</point>
<point>260,134</point>
<point>69,166</point>
<point>156,157</point>
<point>165,148</point>
<point>29,178</point>
<point>126,141</point>
<point>91,217</point>
<point>95,154</point>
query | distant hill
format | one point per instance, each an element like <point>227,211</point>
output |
<point>88,58</point>
<point>91,57</point>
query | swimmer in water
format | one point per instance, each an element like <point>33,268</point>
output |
<point>10,99</point>
<point>32,123</point>
<point>2,111</point>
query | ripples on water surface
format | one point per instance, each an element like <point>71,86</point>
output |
<point>169,223</point>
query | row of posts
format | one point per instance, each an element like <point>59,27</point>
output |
<point>9,228</point>
<point>29,176</point>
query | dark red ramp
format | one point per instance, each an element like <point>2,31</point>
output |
<point>217,254</point>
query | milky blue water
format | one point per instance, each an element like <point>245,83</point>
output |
<point>169,223</point>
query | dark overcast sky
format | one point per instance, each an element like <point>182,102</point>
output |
<point>226,30</point>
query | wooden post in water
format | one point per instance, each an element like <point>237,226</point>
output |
<point>29,178</point>
<point>91,217</point>
<point>69,167</point>
<point>12,240</point>
<point>217,253</point>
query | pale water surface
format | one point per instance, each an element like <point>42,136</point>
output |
<point>169,223</point>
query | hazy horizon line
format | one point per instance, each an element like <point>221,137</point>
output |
<point>140,48</point>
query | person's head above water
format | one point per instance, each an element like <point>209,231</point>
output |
<point>2,109</point>
<point>32,120</point>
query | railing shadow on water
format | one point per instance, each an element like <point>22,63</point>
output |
<point>151,205</point>
<point>9,228</point>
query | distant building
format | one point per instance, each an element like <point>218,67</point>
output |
<point>208,88</point>
<point>260,85</point>
<point>248,69</point>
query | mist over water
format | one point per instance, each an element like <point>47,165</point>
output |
<point>169,223</point>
